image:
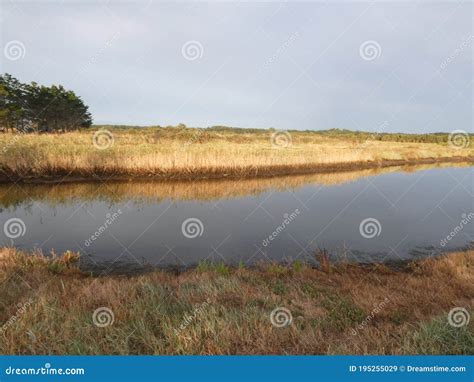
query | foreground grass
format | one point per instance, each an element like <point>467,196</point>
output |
<point>184,153</point>
<point>47,306</point>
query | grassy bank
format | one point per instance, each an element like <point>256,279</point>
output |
<point>184,153</point>
<point>48,307</point>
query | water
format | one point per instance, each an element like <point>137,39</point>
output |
<point>410,211</point>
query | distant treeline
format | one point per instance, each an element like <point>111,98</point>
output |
<point>182,131</point>
<point>356,135</point>
<point>32,107</point>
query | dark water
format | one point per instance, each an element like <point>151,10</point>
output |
<point>141,224</point>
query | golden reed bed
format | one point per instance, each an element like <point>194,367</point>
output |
<point>198,154</point>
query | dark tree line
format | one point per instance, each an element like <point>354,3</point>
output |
<point>33,107</point>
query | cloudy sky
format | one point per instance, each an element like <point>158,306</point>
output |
<point>404,66</point>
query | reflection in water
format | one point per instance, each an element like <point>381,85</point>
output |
<point>371,215</point>
<point>114,192</point>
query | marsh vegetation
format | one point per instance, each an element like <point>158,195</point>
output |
<point>214,309</point>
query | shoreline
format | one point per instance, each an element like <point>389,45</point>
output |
<point>337,309</point>
<point>251,172</point>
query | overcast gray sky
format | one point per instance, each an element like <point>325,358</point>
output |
<point>403,66</point>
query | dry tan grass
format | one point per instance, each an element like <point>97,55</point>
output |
<point>328,307</point>
<point>196,154</point>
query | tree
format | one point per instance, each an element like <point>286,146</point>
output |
<point>31,107</point>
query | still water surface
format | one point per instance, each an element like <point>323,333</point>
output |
<point>130,226</point>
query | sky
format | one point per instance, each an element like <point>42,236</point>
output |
<point>379,67</point>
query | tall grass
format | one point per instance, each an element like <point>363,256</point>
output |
<point>199,153</point>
